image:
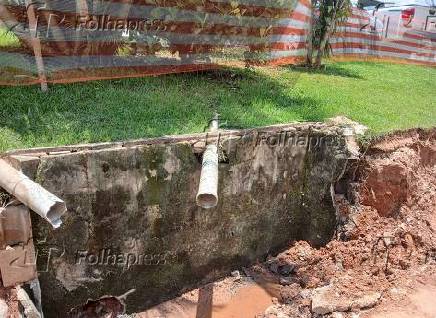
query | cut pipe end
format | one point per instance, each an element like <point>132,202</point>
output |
<point>55,213</point>
<point>31,194</point>
<point>207,200</point>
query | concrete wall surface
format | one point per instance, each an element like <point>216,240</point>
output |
<point>133,223</point>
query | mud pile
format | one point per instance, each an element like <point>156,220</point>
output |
<point>385,245</point>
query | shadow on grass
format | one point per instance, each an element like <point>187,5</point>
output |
<point>252,88</point>
<point>329,69</point>
<point>150,106</point>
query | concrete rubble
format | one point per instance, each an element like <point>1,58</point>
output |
<point>326,300</point>
<point>17,253</point>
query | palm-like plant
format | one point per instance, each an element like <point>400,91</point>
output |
<point>326,15</point>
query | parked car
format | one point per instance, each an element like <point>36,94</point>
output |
<point>393,19</point>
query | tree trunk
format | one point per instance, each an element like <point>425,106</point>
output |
<point>310,35</point>
<point>321,49</point>
<point>324,39</point>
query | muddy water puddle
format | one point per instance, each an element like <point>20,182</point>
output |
<point>224,299</point>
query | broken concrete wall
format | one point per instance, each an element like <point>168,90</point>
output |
<point>17,255</point>
<point>132,220</point>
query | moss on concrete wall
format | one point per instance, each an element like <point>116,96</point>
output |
<point>136,204</point>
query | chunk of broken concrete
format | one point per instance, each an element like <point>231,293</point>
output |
<point>236,274</point>
<point>357,128</point>
<point>326,300</point>
<point>18,265</point>
<point>15,226</point>
<point>366,301</point>
<point>3,308</point>
<point>17,253</point>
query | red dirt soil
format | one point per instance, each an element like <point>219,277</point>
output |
<point>386,241</point>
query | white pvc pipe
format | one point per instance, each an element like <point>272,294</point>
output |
<point>207,196</point>
<point>30,310</point>
<point>31,194</point>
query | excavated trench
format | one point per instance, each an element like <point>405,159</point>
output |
<point>352,232</point>
<point>380,263</point>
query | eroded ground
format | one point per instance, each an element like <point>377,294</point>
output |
<point>381,264</point>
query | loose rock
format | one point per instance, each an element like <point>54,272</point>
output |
<point>325,300</point>
<point>3,308</point>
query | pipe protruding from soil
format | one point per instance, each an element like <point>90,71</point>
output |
<point>207,196</point>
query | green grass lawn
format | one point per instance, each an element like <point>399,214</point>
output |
<point>382,96</point>
<point>8,39</point>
